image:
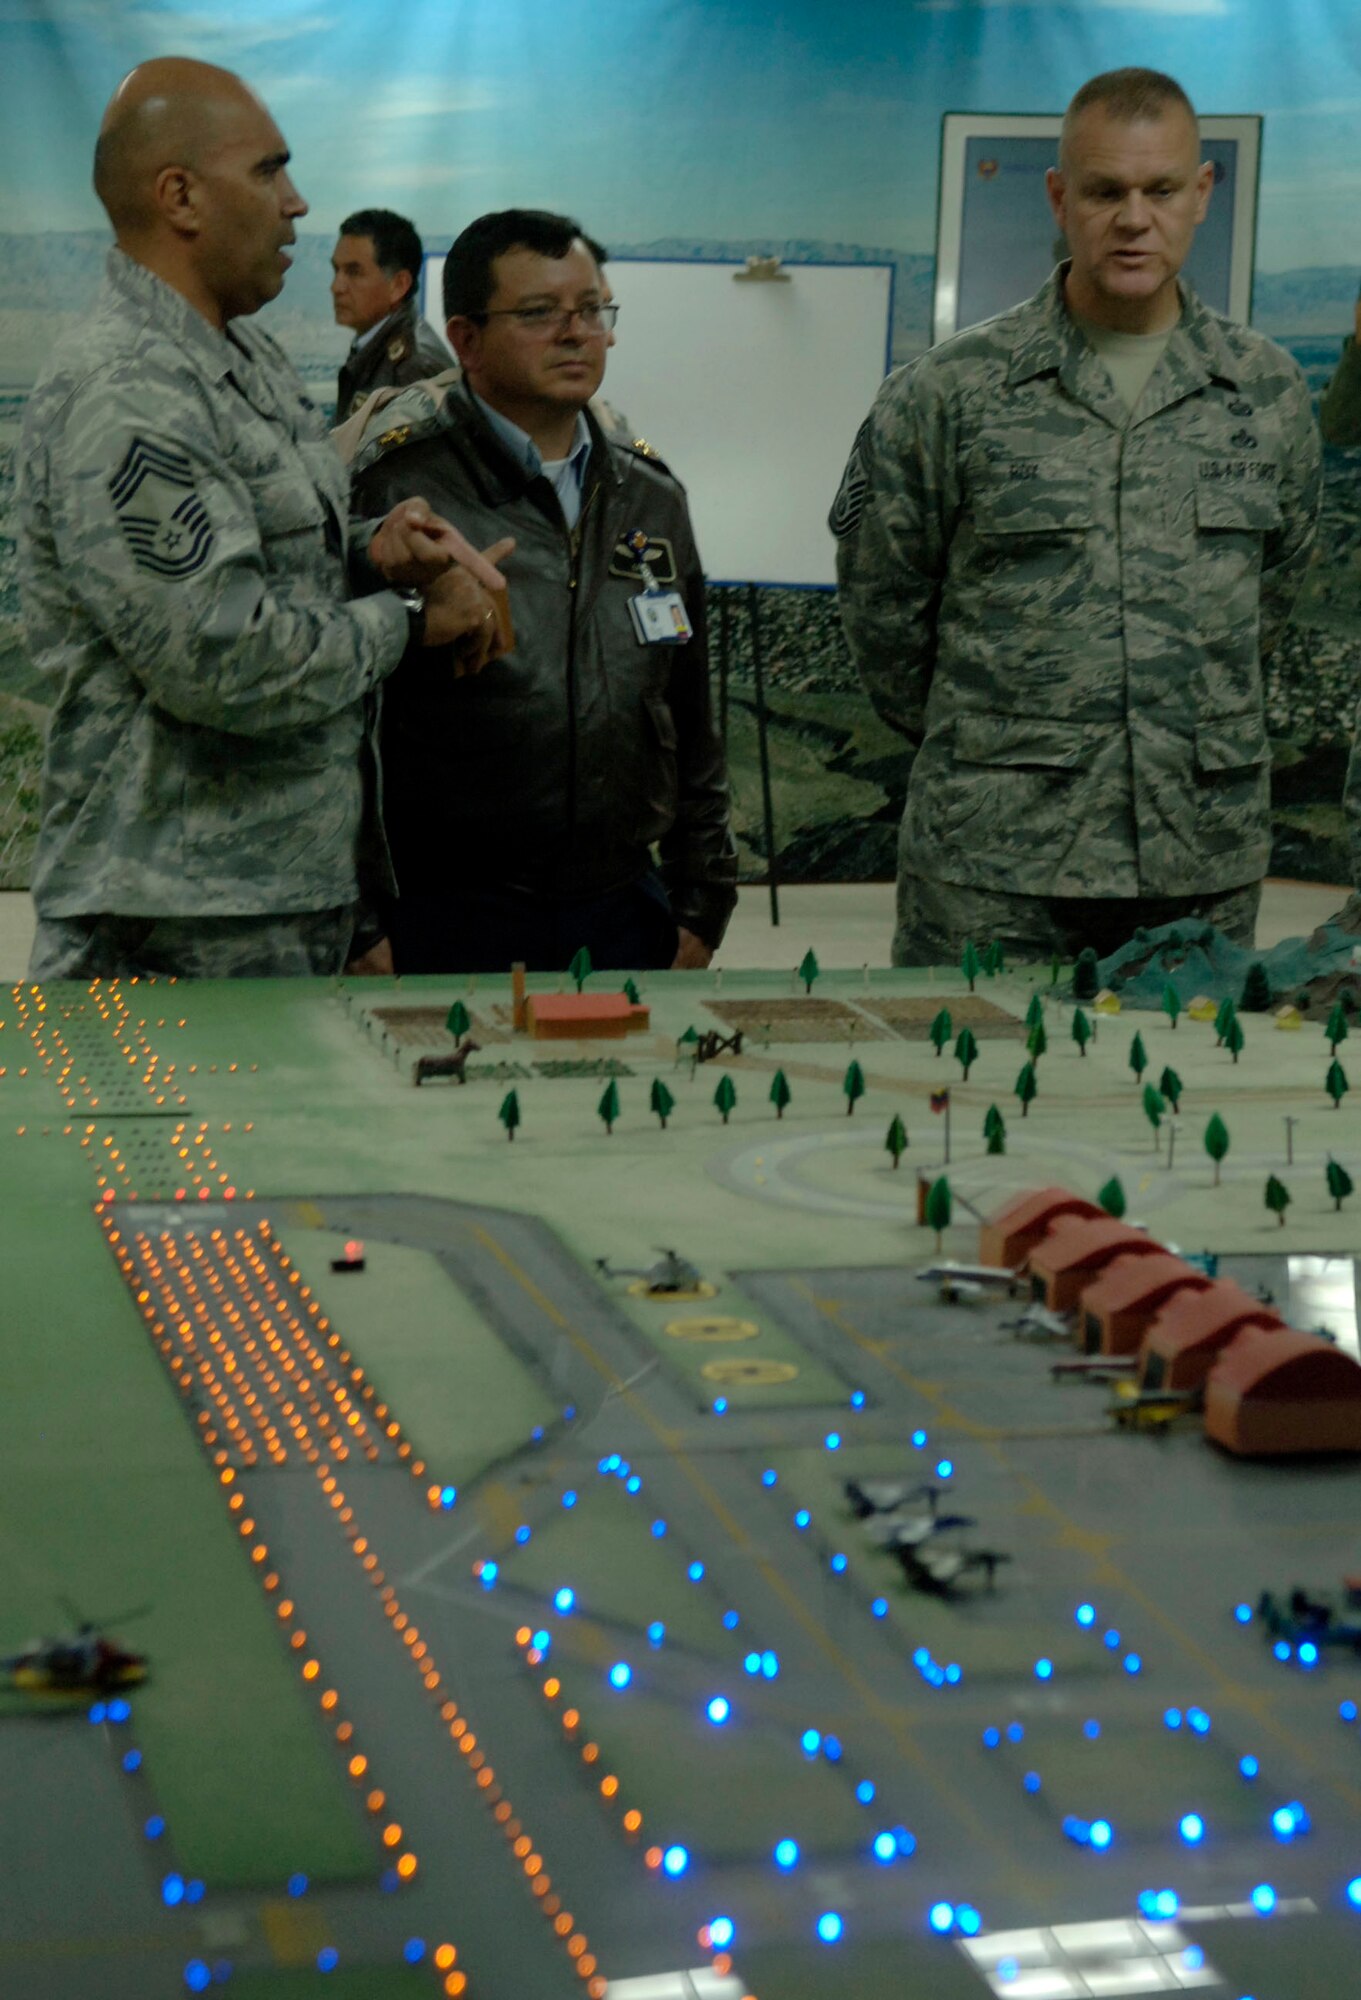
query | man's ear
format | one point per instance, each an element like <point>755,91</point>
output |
<point>175,194</point>
<point>465,337</point>
<point>403,284</point>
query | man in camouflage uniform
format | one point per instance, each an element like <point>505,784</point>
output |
<point>183,532</point>
<point>1339,410</point>
<point>1067,537</point>
<point>377,274</point>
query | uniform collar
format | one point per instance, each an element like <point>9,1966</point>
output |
<point>394,322</point>
<point>522,447</point>
<point>1052,343</point>
<point>171,312</point>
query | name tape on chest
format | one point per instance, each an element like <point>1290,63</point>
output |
<point>164,522</point>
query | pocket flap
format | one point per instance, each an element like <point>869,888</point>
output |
<point>1225,499</point>
<point>1017,739</point>
<point>1045,504</point>
<point>1234,743</point>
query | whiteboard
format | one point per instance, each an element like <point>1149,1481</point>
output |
<point>997,240</point>
<point>752,392</point>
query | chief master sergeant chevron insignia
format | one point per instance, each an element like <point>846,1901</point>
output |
<point>165,524</point>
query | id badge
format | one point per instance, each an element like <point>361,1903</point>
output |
<point>659,618</point>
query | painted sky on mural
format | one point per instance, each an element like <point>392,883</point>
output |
<point>691,118</point>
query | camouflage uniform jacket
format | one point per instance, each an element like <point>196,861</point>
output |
<point>1339,410</point>
<point>1065,608</point>
<point>558,766</point>
<point>405,348</point>
<point>183,525</point>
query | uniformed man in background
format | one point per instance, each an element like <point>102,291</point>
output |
<point>1339,410</point>
<point>183,541</point>
<point>375,291</point>
<point>1067,539</point>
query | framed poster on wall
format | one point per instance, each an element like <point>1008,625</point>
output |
<point>996,238</point>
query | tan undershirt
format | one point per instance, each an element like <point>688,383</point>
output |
<point>1129,358</point>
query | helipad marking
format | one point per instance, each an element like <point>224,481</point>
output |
<point>712,1327</point>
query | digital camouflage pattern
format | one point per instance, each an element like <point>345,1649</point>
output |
<point>937,919</point>
<point>312,944</point>
<point>183,528</point>
<point>1064,608</point>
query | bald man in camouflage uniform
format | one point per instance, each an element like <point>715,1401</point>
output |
<point>1067,538</point>
<point>183,543</point>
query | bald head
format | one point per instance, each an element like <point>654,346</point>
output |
<point>194,174</point>
<point>171,112</point>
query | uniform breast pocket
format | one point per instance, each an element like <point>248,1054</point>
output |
<point>1237,507</point>
<point>1033,537</point>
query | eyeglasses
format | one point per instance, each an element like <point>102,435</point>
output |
<point>553,320</point>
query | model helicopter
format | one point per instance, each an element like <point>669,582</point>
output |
<point>82,1661</point>
<point>673,1273</point>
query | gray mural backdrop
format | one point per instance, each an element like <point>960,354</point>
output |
<point>693,128</point>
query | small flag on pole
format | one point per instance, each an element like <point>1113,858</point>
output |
<point>940,1100</point>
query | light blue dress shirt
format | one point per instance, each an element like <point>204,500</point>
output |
<point>567,476</point>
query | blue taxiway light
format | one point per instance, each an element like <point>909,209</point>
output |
<point>1248,1767</point>
<point>786,1854</point>
<point>879,1608</point>
<point>328,1958</point>
<point>448,1497</point>
<point>865,1791</point>
<point>132,1760</point>
<point>695,1572</point>
<point>621,1673</point>
<point>831,1927</point>
<point>658,1530</point>
<point>1091,1729</point>
<point>172,1891</point>
<point>722,1931</point>
<point>675,1861</point>
<point>1282,1650</point>
<point>1173,1718</point>
<point>991,1738</point>
<point>1085,1614</point>
<point>1354,1892</point>
<point>802,1518</point>
<point>831,1749</point>
<point>1133,1664</point>
<point>119,1710</point>
<point>98,1711</point>
<point>1347,1711</point>
<point>1264,1899</point>
<point>154,1827</point>
<point>565,1599</point>
<point>1015,1732</point>
<point>944,1468</point>
<point>633,1484</point>
<point>1199,1721</point>
<point>297,1885</point>
<point>811,1742</point>
<point>413,1951</point>
<point>1111,1640</point>
<point>833,1440</point>
<point>656,1632</point>
<point>1243,1613</point>
<point>752,1663</point>
<point>1191,1827</point>
<point>731,1621</point>
<point>770,1666</point>
<point>857,1399</point>
<point>718,1710</point>
<point>569,1498</point>
<point>919,1440</point>
<point>839,1563</point>
<point>523,1533</point>
<point>1101,1834</point>
<point>884,1847</point>
<point>1031,1781</point>
<point>197,1976</point>
<point>542,1641</point>
<point>720,1406</point>
<point>770,1477</point>
<point>941,1918</point>
<point>488,1575</point>
<point>968,1920</point>
<point>1307,1655</point>
<point>1044,1670</point>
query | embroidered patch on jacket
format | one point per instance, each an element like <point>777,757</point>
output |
<point>659,556</point>
<point>164,522</point>
<point>849,504</point>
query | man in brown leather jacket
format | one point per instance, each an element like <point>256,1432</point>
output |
<point>375,291</point>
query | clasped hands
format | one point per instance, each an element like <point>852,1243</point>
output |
<point>466,603</point>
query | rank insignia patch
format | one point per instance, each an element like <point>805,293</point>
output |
<point>849,504</point>
<point>164,522</point>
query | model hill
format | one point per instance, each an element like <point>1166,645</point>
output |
<point>1310,973</point>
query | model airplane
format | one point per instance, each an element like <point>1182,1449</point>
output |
<point>967,1281</point>
<point>83,1661</point>
<point>1039,1323</point>
<point>673,1273</point>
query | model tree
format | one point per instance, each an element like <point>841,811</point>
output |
<point>993,960</point>
<point>970,964</point>
<point>661,1101</point>
<point>809,970</point>
<point>1138,1056</point>
<point>995,1130</point>
<point>966,1050</point>
<point>1171,1002</point>
<point>940,1030</point>
<point>1170,1085</point>
<point>509,1114</point>
<point>1335,1083</point>
<point>1027,1088</point>
<point>1112,1197</point>
<point>1034,1013</point>
<point>688,1039</point>
<point>608,1107</point>
<point>1276,1197</point>
<point>580,968</point>
<point>725,1097</point>
<point>1335,1028</point>
<point>1217,1142</point>
<point>1256,997</point>
<point>457,1021</point>
<point>1339,1184</point>
<point>1055,967</point>
<point>1226,1012</point>
<point>895,1140</point>
<point>1085,981</point>
<point>631,993</point>
<point>1154,1107</point>
<point>938,1208</point>
<point>1037,1041</point>
<point>780,1093</point>
<point>1081,1030</point>
<point>852,1086</point>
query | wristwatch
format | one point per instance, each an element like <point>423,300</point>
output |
<point>414,605</point>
